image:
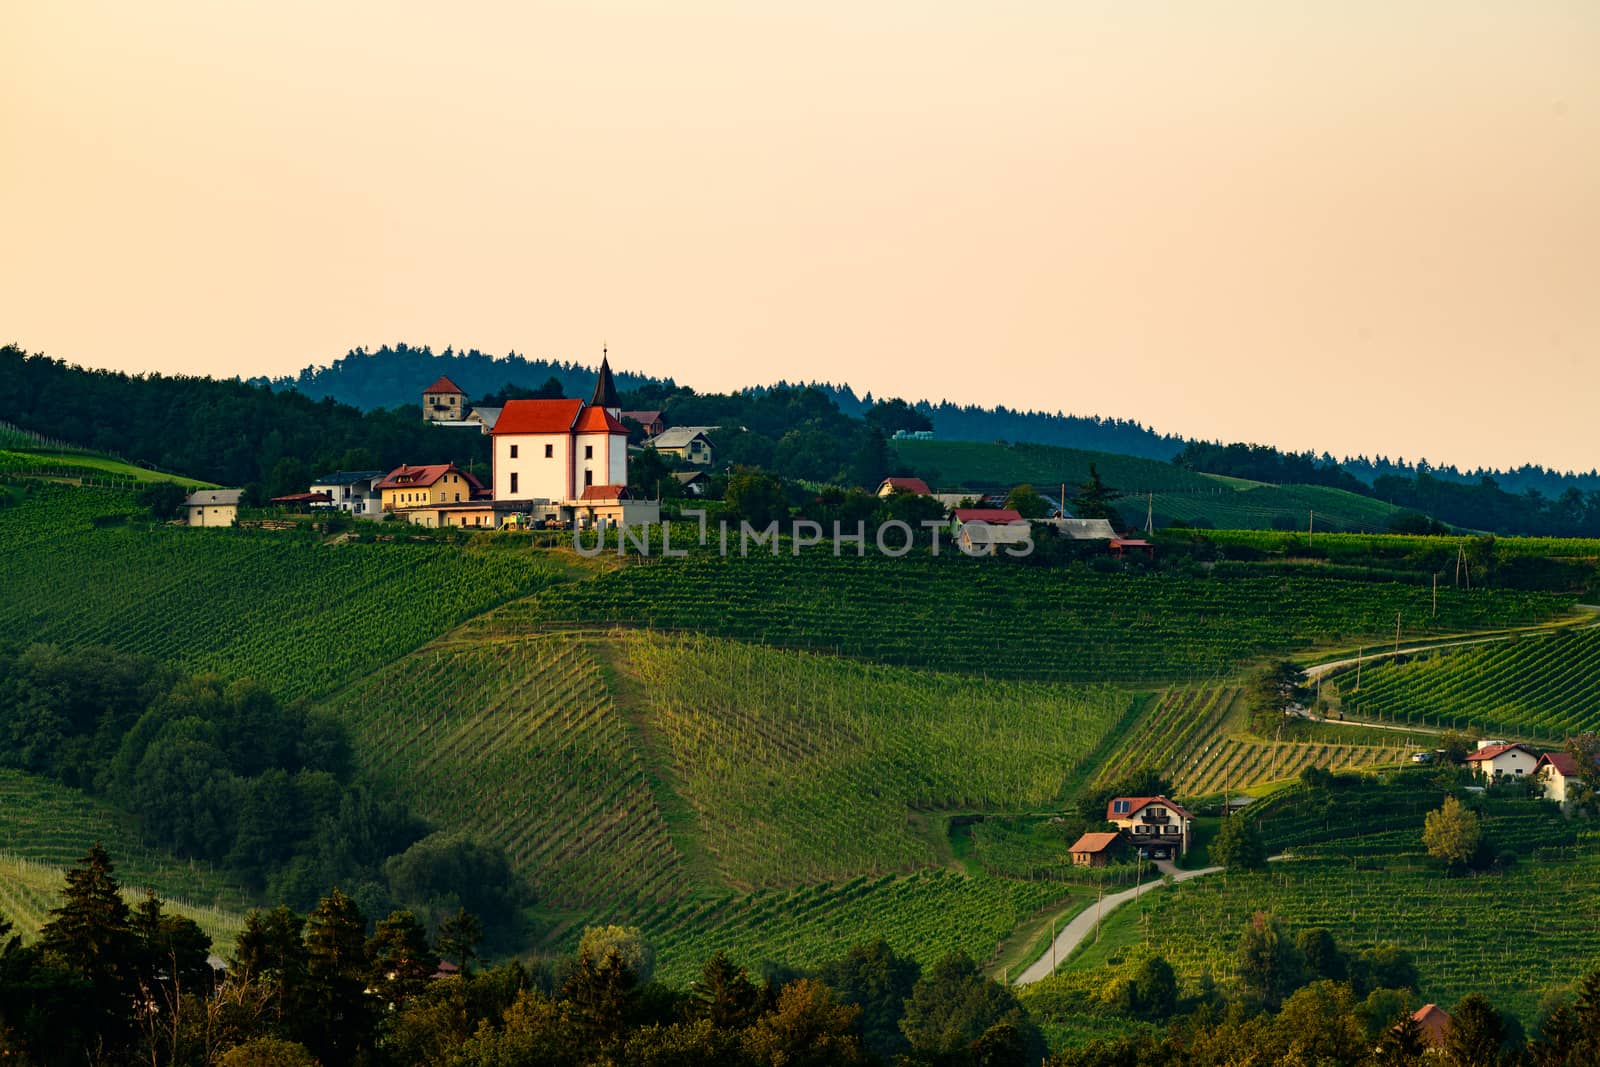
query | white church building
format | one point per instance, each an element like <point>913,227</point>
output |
<point>567,460</point>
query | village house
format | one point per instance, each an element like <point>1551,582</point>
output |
<point>978,529</point>
<point>688,443</point>
<point>1154,824</point>
<point>213,507</point>
<point>1497,760</point>
<point>1082,529</point>
<point>650,422</point>
<point>426,486</point>
<point>444,401</point>
<point>613,505</point>
<point>891,486</point>
<point>1095,849</point>
<point>484,418</point>
<point>1434,1024</point>
<point>694,483</point>
<point>1557,772</point>
<point>351,491</point>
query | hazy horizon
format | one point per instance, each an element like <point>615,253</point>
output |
<point>1356,229</point>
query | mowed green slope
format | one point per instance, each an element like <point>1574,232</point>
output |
<point>301,615</point>
<point>1179,494</point>
<point>1537,686</point>
<point>1001,618</point>
<point>45,827</point>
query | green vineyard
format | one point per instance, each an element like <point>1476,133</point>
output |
<point>1447,923</point>
<point>519,743</point>
<point>999,618</point>
<point>45,827</point>
<point>803,767</point>
<point>1547,687</point>
<point>924,916</point>
<point>293,612</point>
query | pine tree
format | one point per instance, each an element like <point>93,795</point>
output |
<point>339,1014</point>
<point>91,936</point>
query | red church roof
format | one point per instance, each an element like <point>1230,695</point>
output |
<point>445,385</point>
<point>596,420</point>
<point>538,416</point>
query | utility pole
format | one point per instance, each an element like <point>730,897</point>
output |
<point>1397,633</point>
<point>1150,517</point>
<point>1358,671</point>
<point>1311,531</point>
<point>1436,594</point>
<point>1052,944</point>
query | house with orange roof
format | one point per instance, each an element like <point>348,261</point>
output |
<point>1434,1023</point>
<point>444,401</point>
<point>429,485</point>
<point>1095,849</point>
<point>891,486</point>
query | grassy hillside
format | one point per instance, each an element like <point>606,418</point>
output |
<point>1538,686</point>
<point>998,618</point>
<point>301,615</point>
<point>45,827</point>
<point>1179,494</point>
<point>520,743</point>
<point>84,468</point>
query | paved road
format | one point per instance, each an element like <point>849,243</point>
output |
<point>1082,925</point>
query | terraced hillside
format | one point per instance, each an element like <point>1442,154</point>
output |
<point>46,827</point>
<point>1540,686</point>
<point>807,768</point>
<point>1000,618</point>
<point>520,743</point>
<point>288,610</point>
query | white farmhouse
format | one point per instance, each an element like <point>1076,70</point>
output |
<point>351,491</point>
<point>213,507</point>
<point>1499,760</point>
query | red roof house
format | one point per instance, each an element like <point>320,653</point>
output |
<point>1151,821</point>
<point>993,516</point>
<point>444,385</point>
<point>606,493</point>
<point>891,486</point>
<point>650,421</point>
<point>1502,760</point>
<point>1434,1022</point>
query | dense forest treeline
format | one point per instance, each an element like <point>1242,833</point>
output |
<point>273,440</point>
<point>223,772</point>
<point>109,983</point>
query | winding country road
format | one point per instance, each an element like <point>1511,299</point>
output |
<point>1082,924</point>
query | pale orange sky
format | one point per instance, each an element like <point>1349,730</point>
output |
<point>1361,227</point>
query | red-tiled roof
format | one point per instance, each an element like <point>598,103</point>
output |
<point>1497,750</point>
<point>445,385</point>
<point>598,420</point>
<point>1095,842</point>
<point>1434,1022</point>
<point>643,418</point>
<point>537,416</point>
<point>1563,762</point>
<point>993,515</point>
<point>1125,542</point>
<point>604,492</point>
<point>424,476</point>
<point>909,485</point>
<point>1138,804</point>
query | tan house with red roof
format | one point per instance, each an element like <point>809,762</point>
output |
<point>444,401</point>
<point>1095,849</point>
<point>1434,1023</point>
<point>1152,823</point>
<point>429,485</point>
<point>1499,760</point>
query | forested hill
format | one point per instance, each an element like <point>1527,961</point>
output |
<point>227,432</point>
<point>392,376</point>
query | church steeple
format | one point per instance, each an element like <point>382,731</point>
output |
<point>605,390</point>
